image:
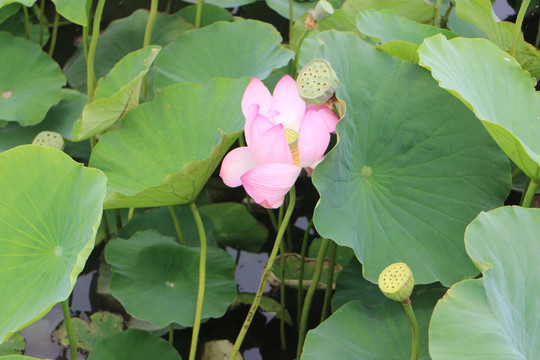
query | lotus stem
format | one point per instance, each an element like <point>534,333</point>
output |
<point>148,39</point>
<point>282,298</point>
<point>414,327</point>
<point>297,52</point>
<point>198,14</point>
<point>90,72</point>
<point>118,219</point>
<point>436,21</point>
<point>69,330</point>
<point>517,27</point>
<point>41,22</point>
<point>105,225</point>
<point>130,213</point>
<point>329,282</point>
<point>171,333</point>
<point>272,219</point>
<point>529,193</point>
<point>26,22</point>
<point>291,20</point>
<point>177,225</point>
<point>202,281</point>
<point>301,271</point>
<point>86,29</point>
<point>309,296</point>
<point>54,34</point>
<point>262,284</point>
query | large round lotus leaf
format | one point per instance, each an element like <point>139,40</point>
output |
<point>73,10</point>
<point>122,37</point>
<point>494,86</point>
<point>156,279</point>
<point>209,14</point>
<point>222,50</point>
<point>50,208</point>
<point>134,345</point>
<point>116,94</point>
<point>167,148</point>
<point>405,179</point>
<point>31,81</point>
<point>494,317</point>
<point>356,331</point>
<point>8,10</point>
<point>299,7</point>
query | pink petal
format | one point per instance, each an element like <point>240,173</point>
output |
<point>310,168</point>
<point>269,183</point>
<point>313,138</point>
<point>288,103</point>
<point>271,147</point>
<point>330,118</point>
<point>256,93</point>
<point>235,164</point>
<point>255,127</point>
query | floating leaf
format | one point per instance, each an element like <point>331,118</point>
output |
<point>403,181</point>
<point>50,209</point>
<point>267,304</point>
<point>31,81</point>
<point>156,279</point>
<point>493,317</point>
<point>116,94</point>
<point>14,345</point>
<point>187,128</point>
<point>474,70</point>
<point>210,14</point>
<point>133,344</point>
<point>221,50</point>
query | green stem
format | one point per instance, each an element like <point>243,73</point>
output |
<point>26,22</point>
<point>41,22</point>
<point>272,219</point>
<point>198,14</point>
<point>297,51</point>
<point>444,19</point>
<point>262,284</point>
<point>130,213</point>
<point>90,74</point>
<point>148,39</point>
<point>291,22</point>
<point>309,296</point>
<point>282,297</point>
<point>171,333</point>
<point>414,327</point>
<point>54,34</point>
<point>86,29</point>
<point>105,225</point>
<point>436,21</point>
<point>517,27</point>
<point>202,280</point>
<point>118,218</point>
<point>303,252</point>
<point>517,170</point>
<point>177,225</point>
<point>69,330</point>
<point>529,194</point>
<point>329,282</point>
<point>537,42</point>
<point>241,141</point>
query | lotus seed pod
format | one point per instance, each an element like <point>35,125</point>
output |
<point>49,139</point>
<point>317,82</point>
<point>396,282</point>
<point>323,10</point>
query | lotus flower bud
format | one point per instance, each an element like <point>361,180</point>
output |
<point>49,139</point>
<point>323,10</point>
<point>396,282</point>
<point>317,82</point>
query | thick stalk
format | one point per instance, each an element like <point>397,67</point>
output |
<point>282,297</point>
<point>202,281</point>
<point>436,21</point>
<point>69,330</point>
<point>131,212</point>
<point>90,74</point>
<point>297,51</point>
<point>41,22</point>
<point>309,296</point>
<point>198,14</point>
<point>26,22</point>
<point>303,252</point>
<point>529,193</point>
<point>105,225</point>
<point>86,29</point>
<point>517,27</point>
<point>54,34</point>
<point>262,284</point>
<point>177,225</point>
<point>171,333</point>
<point>272,219</point>
<point>329,282</point>
<point>118,219</point>
<point>414,327</point>
<point>148,39</point>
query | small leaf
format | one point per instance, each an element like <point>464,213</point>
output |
<point>13,346</point>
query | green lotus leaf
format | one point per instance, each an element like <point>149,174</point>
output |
<point>15,25</point>
<point>122,37</point>
<point>221,50</point>
<point>397,35</point>
<point>134,344</point>
<point>156,279</point>
<point>480,13</point>
<point>356,331</point>
<point>14,345</point>
<point>299,7</point>
<point>225,3</point>
<point>403,181</point>
<point>8,10</point>
<point>167,148</point>
<point>73,10</point>
<point>50,209</point>
<point>23,2</point>
<point>116,94</point>
<point>464,28</point>
<point>473,70</point>
<point>102,325</point>
<point>60,118</point>
<point>416,10</point>
<point>209,15</point>
<point>31,81</point>
<point>492,317</point>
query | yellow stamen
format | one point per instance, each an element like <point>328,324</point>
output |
<point>292,140</point>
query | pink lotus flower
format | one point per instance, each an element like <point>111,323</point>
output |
<point>283,136</point>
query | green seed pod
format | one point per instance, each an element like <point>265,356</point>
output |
<point>49,139</point>
<point>317,82</point>
<point>396,282</point>
<point>323,10</point>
